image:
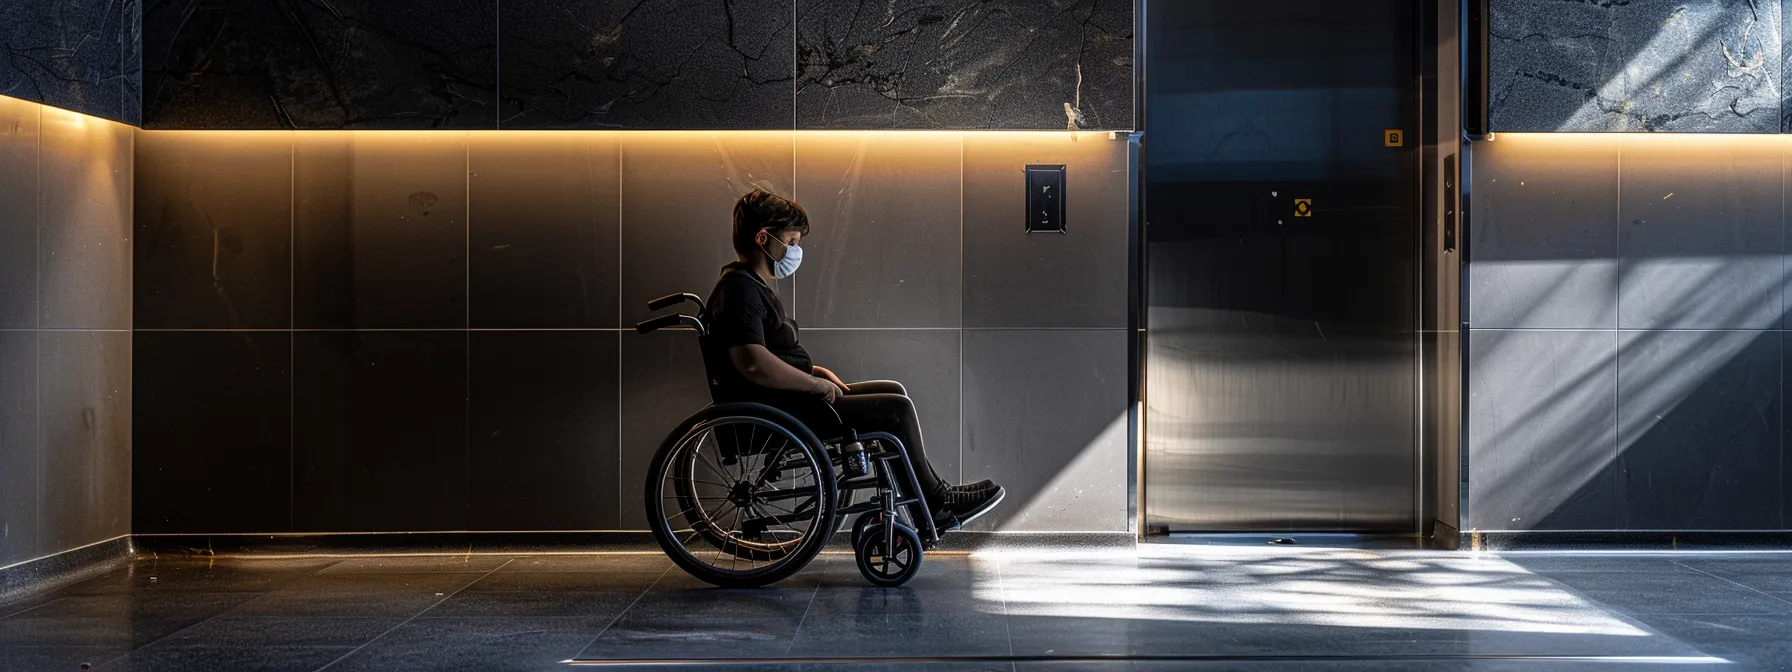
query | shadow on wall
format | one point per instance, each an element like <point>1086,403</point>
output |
<point>1643,65</point>
<point>450,314</point>
<point>1626,363</point>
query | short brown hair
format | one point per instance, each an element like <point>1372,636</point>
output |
<point>760,210</point>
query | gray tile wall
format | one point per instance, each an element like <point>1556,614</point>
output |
<point>65,330</point>
<point>1628,329</point>
<point>458,352</point>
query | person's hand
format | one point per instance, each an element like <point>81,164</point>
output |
<point>829,376</point>
<point>827,390</point>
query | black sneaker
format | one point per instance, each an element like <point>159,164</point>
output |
<point>960,508</point>
<point>984,485</point>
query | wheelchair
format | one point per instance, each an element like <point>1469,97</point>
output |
<point>743,494</point>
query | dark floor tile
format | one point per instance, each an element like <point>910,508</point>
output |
<point>57,658</point>
<point>1772,575</point>
<point>1603,564</point>
<point>605,604</point>
<point>1071,636</point>
<point>1754,642</point>
<point>452,564</point>
<point>744,634</point>
<point>642,563</point>
<point>112,620</point>
<point>476,644</point>
<point>278,631</point>
<point>150,575</point>
<point>566,581</point>
<point>235,658</point>
<point>358,595</point>
<point>947,632</point>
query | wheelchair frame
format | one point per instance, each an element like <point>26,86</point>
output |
<point>897,491</point>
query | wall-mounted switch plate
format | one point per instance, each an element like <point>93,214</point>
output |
<point>1045,198</point>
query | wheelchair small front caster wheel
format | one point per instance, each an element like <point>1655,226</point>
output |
<point>865,521</point>
<point>888,567</point>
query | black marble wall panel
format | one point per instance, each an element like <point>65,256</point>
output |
<point>379,431</point>
<point>380,226</point>
<point>353,64</point>
<point>543,430</point>
<point>212,423</point>
<point>657,64</point>
<point>543,217</point>
<point>79,55</point>
<point>654,64</point>
<point>965,64</point>
<point>1636,65</point>
<point>214,231</point>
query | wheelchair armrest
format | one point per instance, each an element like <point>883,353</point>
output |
<point>674,299</point>
<point>664,321</point>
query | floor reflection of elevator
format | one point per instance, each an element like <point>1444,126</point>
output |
<point>1281,208</point>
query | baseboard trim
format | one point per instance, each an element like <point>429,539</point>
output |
<point>60,569</point>
<point>544,543</point>
<point>1638,540</point>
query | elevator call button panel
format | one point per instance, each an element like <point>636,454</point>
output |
<point>1045,198</point>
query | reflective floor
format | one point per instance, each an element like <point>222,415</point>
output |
<point>1157,608</point>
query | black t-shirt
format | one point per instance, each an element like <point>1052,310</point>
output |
<point>742,310</point>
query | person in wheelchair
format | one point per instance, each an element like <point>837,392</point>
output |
<point>749,328</point>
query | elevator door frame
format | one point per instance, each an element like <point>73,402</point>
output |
<point>1426,38</point>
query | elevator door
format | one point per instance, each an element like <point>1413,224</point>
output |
<point>1281,201</point>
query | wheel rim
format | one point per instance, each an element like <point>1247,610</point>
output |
<point>888,564</point>
<point>743,516</point>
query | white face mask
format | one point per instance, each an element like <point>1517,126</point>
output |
<point>786,265</point>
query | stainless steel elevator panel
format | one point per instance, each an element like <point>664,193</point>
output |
<point>1281,203</point>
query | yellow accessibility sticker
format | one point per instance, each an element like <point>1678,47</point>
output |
<point>1303,207</point>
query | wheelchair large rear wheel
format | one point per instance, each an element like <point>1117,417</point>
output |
<point>741,496</point>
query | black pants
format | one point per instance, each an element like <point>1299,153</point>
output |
<point>884,406</point>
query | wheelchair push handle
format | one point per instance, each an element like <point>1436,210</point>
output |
<point>664,321</point>
<point>670,300</point>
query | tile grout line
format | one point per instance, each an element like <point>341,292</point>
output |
<point>292,334</point>
<point>819,582</point>
<point>1732,581</point>
<point>37,338</point>
<point>415,616</point>
<point>962,433</point>
<point>625,610</point>
<point>617,520</point>
<point>466,378</point>
<point>1002,589</point>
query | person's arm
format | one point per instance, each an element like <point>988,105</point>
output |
<point>760,367</point>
